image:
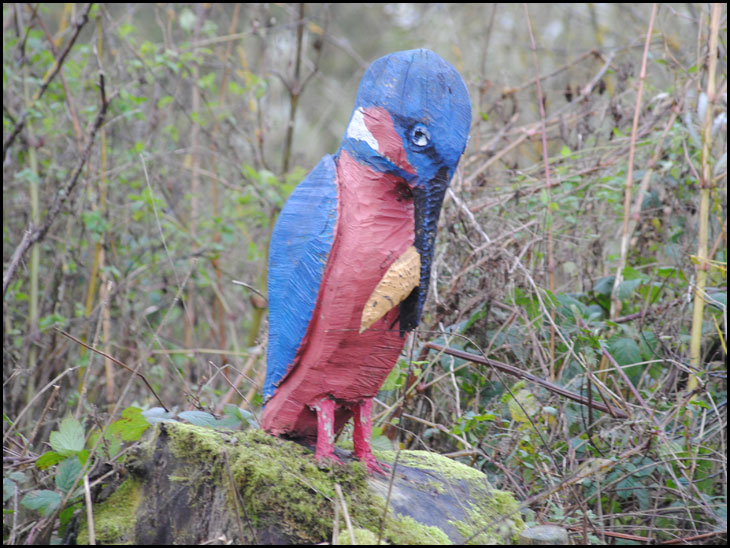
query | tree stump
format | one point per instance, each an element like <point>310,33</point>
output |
<point>191,485</point>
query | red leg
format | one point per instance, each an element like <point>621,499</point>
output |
<point>325,448</point>
<point>362,436</point>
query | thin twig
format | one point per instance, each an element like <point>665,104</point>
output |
<point>40,421</point>
<point>546,166</point>
<point>113,359</point>
<point>240,505</point>
<point>591,468</point>
<point>249,287</point>
<point>336,526</point>
<point>89,511</point>
<point>341,500</point>
<point>625,238</point>
<point>32,402</point>
<point>516,372</point>
<point>387,499</point>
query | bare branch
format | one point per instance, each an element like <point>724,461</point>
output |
<point>47,80</point>
<point>34,234</point>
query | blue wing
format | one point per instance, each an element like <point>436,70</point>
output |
<point>300,245</point>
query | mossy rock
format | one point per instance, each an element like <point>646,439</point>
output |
<point>189,485</point>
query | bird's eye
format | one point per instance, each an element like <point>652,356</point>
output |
<point>420,136</point>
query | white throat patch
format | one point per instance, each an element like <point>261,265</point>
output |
<point>359,131</point>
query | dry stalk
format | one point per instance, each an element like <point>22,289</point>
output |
<point>706,184</point>
<point>219,305</point>
<point>626,235</point>
<point>194,181</point>
<point>89,511</point>
<point>546,166</point>
<point>341,500</point>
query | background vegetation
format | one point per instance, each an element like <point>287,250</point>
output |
<point>148,148</point>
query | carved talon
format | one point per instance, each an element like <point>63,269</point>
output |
<point>376,467</point>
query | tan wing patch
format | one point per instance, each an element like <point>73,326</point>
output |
<point>395,285</point>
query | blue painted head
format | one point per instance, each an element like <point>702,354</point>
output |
<point>422,100</point>
<point>411,119</point>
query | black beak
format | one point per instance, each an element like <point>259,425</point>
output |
<point>427,201</point>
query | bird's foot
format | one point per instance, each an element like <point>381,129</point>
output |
<point>376,467</point>
<point>373,465</point>
<point>362,435</point>
<point>327,459</point>
<point>325,448</point>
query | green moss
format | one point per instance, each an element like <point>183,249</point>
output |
<point>448,468</point>
<point>398,530</point>
<point>283,488</point>
<point>273,475</point>
<point>406,530</point>
<point>115,518</point>
<point>492,515</point>
<point>362,537</point>
<point>492,520</point>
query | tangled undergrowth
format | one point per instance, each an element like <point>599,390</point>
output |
<point>583,242</point>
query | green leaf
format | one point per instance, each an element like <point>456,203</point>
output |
<point>524,404</point>
<point>131,426</point>
<point>157,414</point>
<point>94,222</point>
<point>604,286</point>
<point>231,417</point>
<point>114,445</point>
<point>187,19</point>
<point>624,350</point>
<point>393,380</point>
<point>199,418</point>
<point>9,488</point>
<point>66,515</point>
<point>125,29</point>
<point>67,472</point>
<point>570,306</point>
<point>530,304</point>
<point>718,299</point>
<point>51,320</point>
<point>627,288</point>
<point>649,345</point>
<point>43,500</point>
<point>48,459</point>
<point>235,88</point>
<point>267,177</point>
<point>164,101</point>
<point>28,175</point>
<point>69,439</point>
<point>172,132</point>
<point>260,88</point>
<point>207,81</point>
<point>242,414</point>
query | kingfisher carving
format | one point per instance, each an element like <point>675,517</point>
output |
<point>351,252</point>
